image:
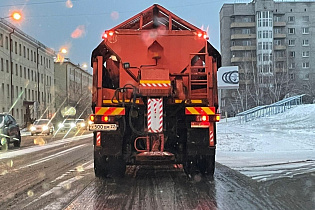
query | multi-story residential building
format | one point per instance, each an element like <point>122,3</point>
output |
<point>272,43</point>
<point>27,75</point>
<point>73,86</point>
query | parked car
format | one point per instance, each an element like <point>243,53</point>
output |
<point>42,126</point>
<point>67,124</point>
<point>10,131</point>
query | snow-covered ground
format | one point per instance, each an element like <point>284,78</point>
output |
<point>272,147</point>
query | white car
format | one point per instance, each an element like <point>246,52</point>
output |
<point>42,126</point>
<point>67,124</point>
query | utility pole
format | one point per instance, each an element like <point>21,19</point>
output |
<point>11,69</point>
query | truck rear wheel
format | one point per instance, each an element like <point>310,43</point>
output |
<point>206,164</point>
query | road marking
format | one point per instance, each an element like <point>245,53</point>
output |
<point>36,148</point>
<point>53,156</point>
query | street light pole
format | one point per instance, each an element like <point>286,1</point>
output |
<point>11,69</point>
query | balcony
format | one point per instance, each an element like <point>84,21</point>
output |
<point>242,48</point>
<point>281,59</point>
<point>280,70</point>
<point>243,59</point>
<point>242,24</point>
<point>279,47</point>
<point>279,36</point>
<point>279,24</point>
<point>243,36</point>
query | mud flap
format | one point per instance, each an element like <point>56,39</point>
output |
<point>198,142</point>
<point>111,143</point>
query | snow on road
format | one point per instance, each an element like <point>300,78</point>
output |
<point>279,144</point>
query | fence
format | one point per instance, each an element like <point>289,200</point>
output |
<point>268,110</point>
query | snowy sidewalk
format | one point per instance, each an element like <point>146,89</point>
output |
<point>286,138</point>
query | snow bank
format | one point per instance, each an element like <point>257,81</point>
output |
<point>282,138</point>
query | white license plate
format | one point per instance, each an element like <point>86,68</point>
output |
<point>103,127</point>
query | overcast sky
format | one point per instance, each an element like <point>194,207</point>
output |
<point>79,24</point>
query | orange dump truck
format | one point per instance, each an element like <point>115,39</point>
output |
<point>154,95</point>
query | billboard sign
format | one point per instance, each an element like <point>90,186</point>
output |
<point>228,78</point>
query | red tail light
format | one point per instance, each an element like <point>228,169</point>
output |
<point>105,118</point>
<point>202,118</point>
<point>92,117</point>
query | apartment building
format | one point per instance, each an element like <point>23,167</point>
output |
<point>272,43</point>
<point>26,75</point>
<point>73,86</point>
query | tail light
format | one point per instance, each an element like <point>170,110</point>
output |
<point>202,118</point>
<point>92,117</point>
<point>207,118</point>
<point>106,118</point>
<point>215,118</point>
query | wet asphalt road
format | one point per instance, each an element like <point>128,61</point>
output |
<point>59,175</point>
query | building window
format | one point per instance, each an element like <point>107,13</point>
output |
<point>277,31</point>
<point>7,65</point>
<point>306,54</point>
<point>305,65</point>
<point>291,42</point>
<point>247,43</point>
<point>21,73</point>
<point>24,72</point>
<point>292,54</point>
<point>6,42</point>
<point>291,19</point>
<point>16,70</point>
<point>16,47</point>
<point>305,42</point>
<point>24,52</point>
<point>277,18</point>
<point>2,68</point>
<point>28,54</point>
<point>1,40</point>
<point>28,74</point>
<point>8,90</point>
<point>245,31</point>
<point>35,57</point>
<point>306,77</point>
<point>292,65</point>
<point>305,30</point>
<point>20,49</point>
<point>31,55</point>
<point>291,30</point>
<point>277,42</point>
<point>306,18</point>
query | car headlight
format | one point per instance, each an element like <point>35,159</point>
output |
<point>45,127</point>
<point>33,128</point>
<point>82,125</point>
<point>60,125</point>
<point>72,125</point>
<point>90,122</point>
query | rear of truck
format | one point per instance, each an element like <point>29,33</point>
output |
<point>154,95</point>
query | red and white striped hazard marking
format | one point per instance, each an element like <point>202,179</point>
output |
<point>98,138</point>
<point>155,85</point>
<point>211,138</point>
<point>155,115</point>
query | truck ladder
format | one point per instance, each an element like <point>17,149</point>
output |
<point>199,78</point>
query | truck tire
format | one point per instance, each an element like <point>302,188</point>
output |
<point>206,164</point>
<point>116,166</point>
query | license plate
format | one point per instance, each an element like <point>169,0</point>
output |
<point>103,127</point>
